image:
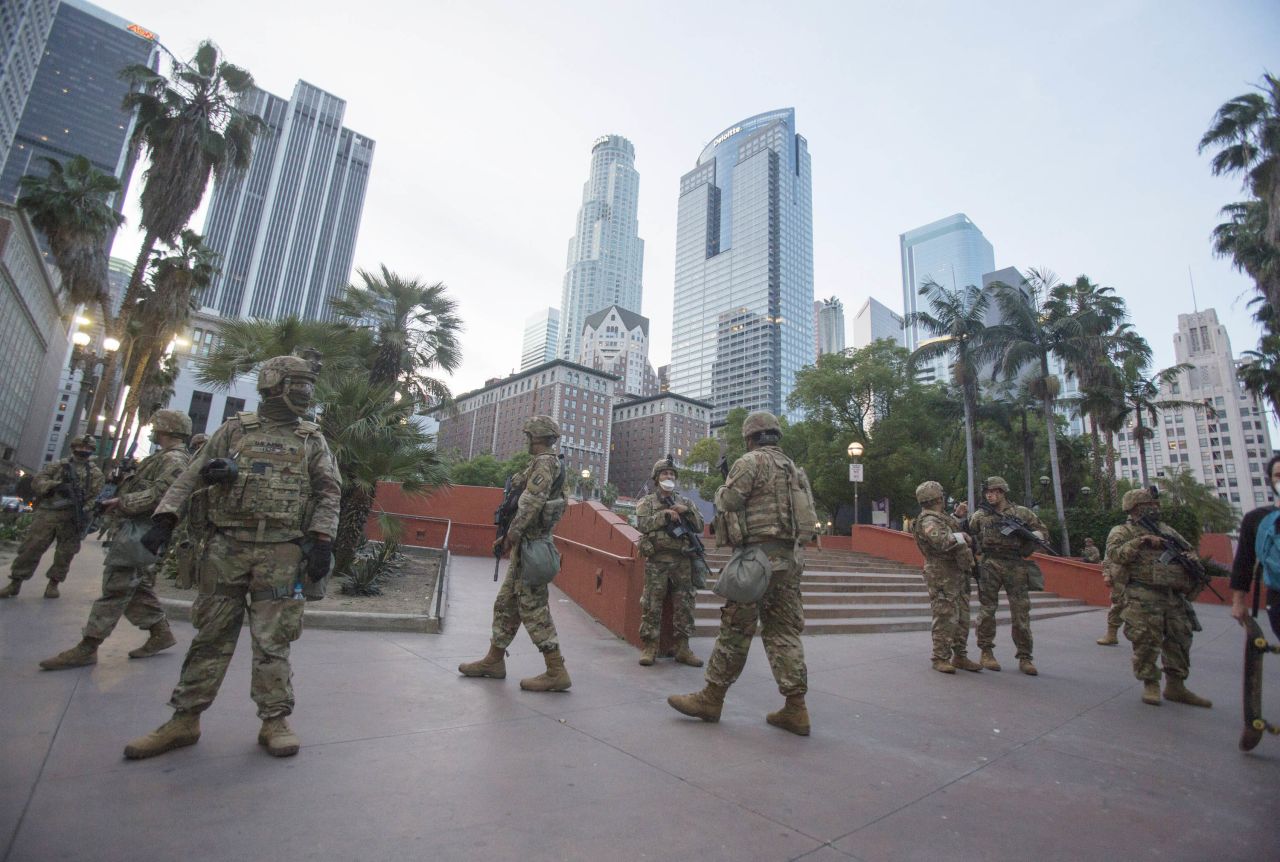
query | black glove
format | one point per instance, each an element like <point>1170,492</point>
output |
<point>318,559</point>
<point>158,536</point>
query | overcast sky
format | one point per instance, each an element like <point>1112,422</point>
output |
<point>1067,133</point>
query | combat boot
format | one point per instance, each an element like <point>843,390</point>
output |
<point>493,665</point>
<point>648,653</point>
<point>181,730</point>
<point>684,655</point>
<point>83,653</point>
<point>1151,692</point>
<point>278,737</point>
<point>1109,639</point>
<point>793,717</point>
<point>705,704</point>
<point>1027,667</point>
<point>941,665</point>
<point>988,660</point>
<point>554,678</point>
<point>15,586</point>
<point>1176,691</point>
<point>962,662</point>
<point>161,639</point>
<point>51,589</point>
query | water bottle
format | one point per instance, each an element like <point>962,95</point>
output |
<point>297,591</point>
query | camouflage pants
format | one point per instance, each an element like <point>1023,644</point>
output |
<point>665,574</point>
<point>781,615</point>
<point>231,572</point>
<point>1115,614</point>
<point>517,603</point>
<point>949,602</point>
<point>127,592</point>
<point>47,528</point>
<point>1011,574</point>
<point>1156,623</point>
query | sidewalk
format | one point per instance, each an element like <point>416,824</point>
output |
<point>404,759</point>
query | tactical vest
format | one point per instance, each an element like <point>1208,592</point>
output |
<point>272,488</point>
<point>659,541</point>
<point>1149,571</point>
<point>768,514</point>
<point>997,544</point>
<point>553,509</point>
<point>960,556</point>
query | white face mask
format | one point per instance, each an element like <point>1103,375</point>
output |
<point>668,484</point>
<point>1275,486</point>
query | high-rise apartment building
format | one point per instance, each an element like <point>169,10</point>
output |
<point>286,228</point>
<point>541,338</point>
<point>952,252</point>
<point>606,255</point>
<point>876,321</point>
<point>646,429</point>
<point>743,314</point>
<point>617,341</point>
<point>830,325</point>
<point>24,28</point>
<point>73,107</point>
<point>1227,449</point>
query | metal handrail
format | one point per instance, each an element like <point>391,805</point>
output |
<point>615,557</point>
<point>448,522</point>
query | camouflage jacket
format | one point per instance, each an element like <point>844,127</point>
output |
<point>1091,555</point>
<point>1133,561</point>
<point>757,490</point>
<point>142,489</point>
<point>538,510</point>
<point>985,527</point>
<point>935,534</point>
<point>652,523</point>
<point>54,474</point>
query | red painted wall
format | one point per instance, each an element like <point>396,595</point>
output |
<point>422,518</point>
<point>1218,547</point>
<point>599,568</point>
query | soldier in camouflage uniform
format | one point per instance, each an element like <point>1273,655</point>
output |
<point>268,488</point>
<point>1155,596</point>
<point>58,518</point>
<point>667,568</point>
<point>947,567</point>
<point>182,540</point>
<point>128,589</point>
<point>756,496</point>
<point>542,504</point>
<point>1090,553</point>
<point>1115,613</point>
<point>1004,564</point>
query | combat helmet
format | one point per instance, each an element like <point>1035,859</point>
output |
<point>84,442</point>
<point>541,427</point>
<point>1136,497</point>
<point>663,464</point>
<point>173,422</point>
<point>927,492</point>
<point>760,421</point>
<point>996,483</point>
<point>274,371</point>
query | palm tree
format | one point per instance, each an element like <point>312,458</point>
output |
<point>1180,487</point>
<point>957,323</point>
<point>70,206</point>
<point>1243,238</point>
<point>1260,373</point>
<point>1010,401</point>
<point>1140,394</point>
<point>244,344</point>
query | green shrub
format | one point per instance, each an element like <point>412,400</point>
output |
<point>1097,524</point>
<point>373,565</point>
<point>14,528</point>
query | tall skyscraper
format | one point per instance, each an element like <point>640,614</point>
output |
<point>541,337</point>
<point>743,317</point>
<point>875,321</point>
<point>954,253</point>
<point>606,255</point>
<point>74,103</point>
<point>286,228</point>
<point>24,28</point>
<point>830,326</point>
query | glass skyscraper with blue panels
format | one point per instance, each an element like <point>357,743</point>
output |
<point>742,324</point>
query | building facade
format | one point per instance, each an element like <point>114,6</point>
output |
<point>286,228</point>
<point>606,255</point>
<point>1226,450</point>
<point>830,323</point>
<point>617,341</point>
<point>876,321</point>
<point>742,323</point>
<point>952,252</point>
<point>490,420</point>
<point>646,429</point>
<point>24,29</point>
<point>541,338</point>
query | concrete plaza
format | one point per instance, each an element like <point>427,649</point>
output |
<point>404,759</point>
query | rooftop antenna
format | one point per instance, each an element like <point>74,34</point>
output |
<point>1194,305</point>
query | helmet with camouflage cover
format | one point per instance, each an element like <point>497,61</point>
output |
<point>996,483</point>
<point>84,442</point>
<point>541,426</point>
<point>663,464</point>
<point>275,370</point>
<point>1136,497</point>
<point>173,422</point>
<point>758,422</point>
<point>927,492</point>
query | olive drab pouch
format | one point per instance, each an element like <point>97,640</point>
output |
<point>803,508</point>
<point>746,576</point>
<point>730,528</point>
<point>539,561</point>
<point>187,555</point>
<point>126,548</point>
<point>1035,577</point>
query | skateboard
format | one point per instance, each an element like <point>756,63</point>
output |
<point>1255,647</point>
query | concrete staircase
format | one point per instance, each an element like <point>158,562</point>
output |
<point>851,593</point>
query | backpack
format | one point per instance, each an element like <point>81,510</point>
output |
<point>804,512</point>
<point>1266,547</point>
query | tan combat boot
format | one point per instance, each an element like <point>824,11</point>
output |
<point>278,737</point>
<point>705,704</point>
<point>941,665</point>
<point>493,665</point>
<point>83,653</point>
<point>554,678</point>
<point>51,589</point>
<point>1027,667</point>
<point>960,661</point>
<point>1176,691</point>
<point>988,660</point>
<point>794,717</point>
<point>1109,639</point>
<point>648,653</point>
<point>684,655</point>
<point>15,586</point>
<point>1151,692</point>
<point>181,730</point>
<point>161,639</point>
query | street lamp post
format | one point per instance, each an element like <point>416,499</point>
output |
<point>586,483</point>
<point>855,474</point>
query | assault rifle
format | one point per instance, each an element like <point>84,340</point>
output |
<point>74,492</point>
<point>1011,525</point>
<point>683,530</point>
<point>1178,551</point>
<point>503,516</point>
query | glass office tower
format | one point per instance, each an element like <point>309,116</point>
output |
<point>743,318</point>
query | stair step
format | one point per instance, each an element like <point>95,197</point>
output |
<point>876,625</point>
<point>816,610</point>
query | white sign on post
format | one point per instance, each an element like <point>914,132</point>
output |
<point>855,472</point>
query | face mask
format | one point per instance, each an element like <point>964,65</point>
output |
<point>83,454</point>
<point>668,484</point>
<point>298,395</point>
<point>1275,486</point>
